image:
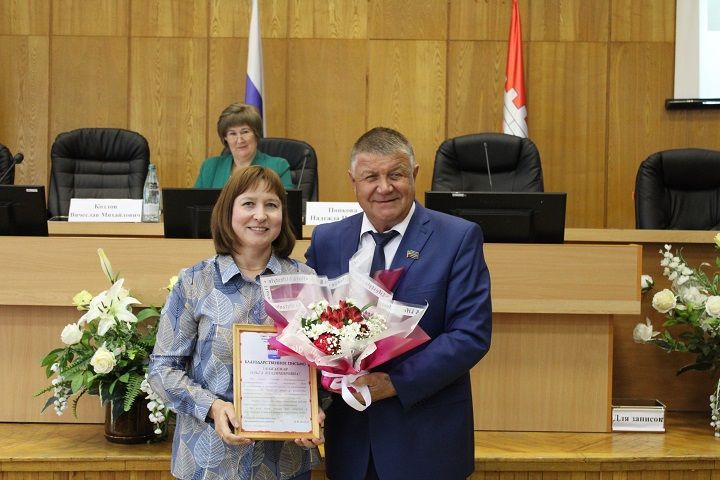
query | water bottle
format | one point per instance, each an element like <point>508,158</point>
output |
<point>151,197</point>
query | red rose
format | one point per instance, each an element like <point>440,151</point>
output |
<point>327,343</point>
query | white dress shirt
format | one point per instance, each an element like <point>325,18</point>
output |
<point>366,240</point>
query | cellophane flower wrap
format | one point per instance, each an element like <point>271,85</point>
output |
<point>344,326</point>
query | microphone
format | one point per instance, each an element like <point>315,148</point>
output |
<point>487,164</point>
<point>17,159</point>
<point>302,170</point>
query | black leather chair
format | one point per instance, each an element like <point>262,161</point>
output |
<point>302,159</point>
<point>5,162</point>
<point>96,163</point>
<point>679,190</point>
<point>514,164</point>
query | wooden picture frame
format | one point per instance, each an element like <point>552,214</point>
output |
<point>269,416</point>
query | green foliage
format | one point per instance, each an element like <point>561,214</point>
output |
<point>106,352</point>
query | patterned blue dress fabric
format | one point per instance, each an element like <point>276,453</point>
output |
<point>191,366</point>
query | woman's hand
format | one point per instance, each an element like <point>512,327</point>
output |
<point>223,414</point>
<point>314,442</point>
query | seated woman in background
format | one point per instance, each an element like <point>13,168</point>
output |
<point>191,367</point>
<point>240,129</point>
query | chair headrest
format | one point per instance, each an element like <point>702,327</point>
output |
<point>503,151</point>
<point>689,168</point>
<point>106,144</point>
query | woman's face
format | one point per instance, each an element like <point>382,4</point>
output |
<point>242,142</point>
<point>256,218</point>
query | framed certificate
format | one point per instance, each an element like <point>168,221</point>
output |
<point>275,397</point>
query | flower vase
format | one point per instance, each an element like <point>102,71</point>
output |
<point>133,426</point>
<point>715,409</point>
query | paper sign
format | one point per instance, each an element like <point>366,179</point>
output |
<point>105,210</point>
<point>326,212</point>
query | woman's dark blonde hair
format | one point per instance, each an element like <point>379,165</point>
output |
<point>241,181</point>
<point>238,114</point>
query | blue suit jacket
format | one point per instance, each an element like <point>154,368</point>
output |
<point>426,431</point>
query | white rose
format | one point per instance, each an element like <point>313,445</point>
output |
<point>712,306</point>
<point>643,332</point>
<point>71,334</point>
<point>646,282</point>
<point>103,361</point>
<point>664,301</point>
<point>693,296</point>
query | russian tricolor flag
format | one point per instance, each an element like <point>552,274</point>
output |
<point>254,87</point>
<point>515,110</point>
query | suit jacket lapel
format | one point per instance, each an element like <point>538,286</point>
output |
<point>410,249</point>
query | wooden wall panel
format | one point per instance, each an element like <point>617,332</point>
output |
<point>24,104</point>
<point>231,18</point>
<point>168,89</point>
<point>339,91</point>
<point>453,88</point>
<point>301,18</point>
<point>482,20</point>
<point>475,80</point>
<point>640,81</point>
<point>408,19</point>
<point>169,18</point>
<point>24,17</point>
<point>77,103</point>
<point>406,91</point>
<point>90,17</point>
<point>567,20</point>
<point>643,20</point>
<point>566,110</point>
<point>333,18</point>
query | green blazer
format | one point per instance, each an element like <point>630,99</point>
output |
<point>215,171</point>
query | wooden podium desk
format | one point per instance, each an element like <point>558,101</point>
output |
<point>688,451</point>
<point>645,371</point>
<point>549,367</point>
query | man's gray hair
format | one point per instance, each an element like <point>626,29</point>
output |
<point>382,141</point>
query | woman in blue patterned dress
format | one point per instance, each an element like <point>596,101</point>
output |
<point>191,366</point>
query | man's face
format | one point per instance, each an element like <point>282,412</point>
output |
<point>385,187</point>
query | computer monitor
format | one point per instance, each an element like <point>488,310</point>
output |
<point>507,217</point>
<point>22,210</point>
<point>187,211</point>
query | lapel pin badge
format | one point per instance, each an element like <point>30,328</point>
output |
<point>412,254</point>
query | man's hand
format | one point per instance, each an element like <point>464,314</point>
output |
<point>223,413</point>
<point>379,384</point>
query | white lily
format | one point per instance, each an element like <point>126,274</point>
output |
<point>111,306</point>
<point>106,266</point>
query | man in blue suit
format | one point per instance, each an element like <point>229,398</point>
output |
<point>420,423</point>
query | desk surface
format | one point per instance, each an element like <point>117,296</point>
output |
<point>113,229</point>
<point>572,235</point>
<point>688,441</point>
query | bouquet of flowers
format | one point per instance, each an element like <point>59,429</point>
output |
<point>691,307</point>
<point>106,352</point>
<point>344,327</point>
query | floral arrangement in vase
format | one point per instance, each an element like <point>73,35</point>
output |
<point>691,306</point>
<point>106,353</point>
